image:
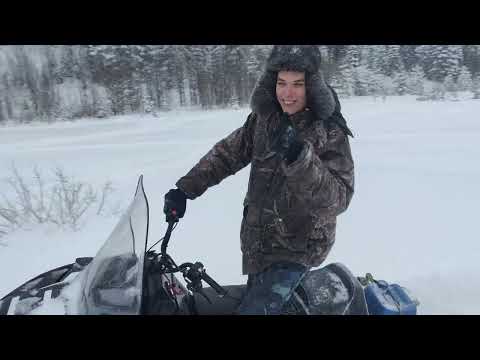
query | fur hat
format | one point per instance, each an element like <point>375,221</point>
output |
<point>303,58</point>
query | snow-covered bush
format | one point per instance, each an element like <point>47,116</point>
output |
<point>64,202</point>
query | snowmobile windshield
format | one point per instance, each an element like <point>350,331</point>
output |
<point>112,282</point>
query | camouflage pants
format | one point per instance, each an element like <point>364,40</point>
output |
<point>270,290</point>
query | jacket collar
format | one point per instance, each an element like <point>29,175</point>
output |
<point>302,119</point>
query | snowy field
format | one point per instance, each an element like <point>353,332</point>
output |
<point>412,219</point>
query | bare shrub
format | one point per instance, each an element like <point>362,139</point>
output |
<point>65,202</point>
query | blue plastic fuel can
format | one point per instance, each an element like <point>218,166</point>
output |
<point>389,299</point>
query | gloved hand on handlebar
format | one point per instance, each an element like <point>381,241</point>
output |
<point>175,204</point>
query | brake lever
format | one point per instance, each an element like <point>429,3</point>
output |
<point>214,285</point>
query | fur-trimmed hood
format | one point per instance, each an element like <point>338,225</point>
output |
<point>305,58</point>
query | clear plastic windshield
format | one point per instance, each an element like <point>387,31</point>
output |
<point>112,282</point>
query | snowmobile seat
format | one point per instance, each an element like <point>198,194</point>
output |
<point>219,305</point>
<point>333,290</point>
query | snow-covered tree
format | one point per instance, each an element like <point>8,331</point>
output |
<point>346,79</point>
<point>445,60</point>
<point>400,79</point>
<point>256,59</point>
<point>438,91</point>
<point>209,81</point>
<point>352,56</point>
<point>220,79</point>
<point>364,80</point>
<point>69,67</point>
<point>235,72</point>
<point>374,57</point>
<point>392,62</point>
<point>147,104</point>
<point>471,58</point>
<point>145,77</point>
<point>102,104</point>
<point>46,94</point>
<point>336,83</point>
<point>416,80</point>
<point>450,87</point>
<point>476,87</point>
<point>7,93</point>
<point>2,115</point>
<point>464,80</point>
<point>425,57</point>
<point>408,56</point>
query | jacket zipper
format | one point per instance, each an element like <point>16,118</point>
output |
<point>269,190</point>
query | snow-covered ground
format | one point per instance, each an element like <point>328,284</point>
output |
<point>412,219</point>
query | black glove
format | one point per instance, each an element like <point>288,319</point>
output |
<point>293,151</point>
<point>175,204</point>
<point>285,140</point>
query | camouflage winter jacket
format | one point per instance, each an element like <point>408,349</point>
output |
<point>289,211</point>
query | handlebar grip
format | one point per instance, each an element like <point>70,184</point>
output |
<point>214,285</point>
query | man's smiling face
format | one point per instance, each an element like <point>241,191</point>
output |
<point>291,92</point>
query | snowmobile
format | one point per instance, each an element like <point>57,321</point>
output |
<point>126,278</point>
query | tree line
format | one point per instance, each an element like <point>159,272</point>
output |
<point>49,82</point>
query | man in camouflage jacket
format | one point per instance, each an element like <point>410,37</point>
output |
<point>301,178</point>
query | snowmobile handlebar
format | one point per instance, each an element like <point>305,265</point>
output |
<point>193,273</point>
<point>166,238</point>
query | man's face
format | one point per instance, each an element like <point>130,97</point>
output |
<point>291,92</point>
